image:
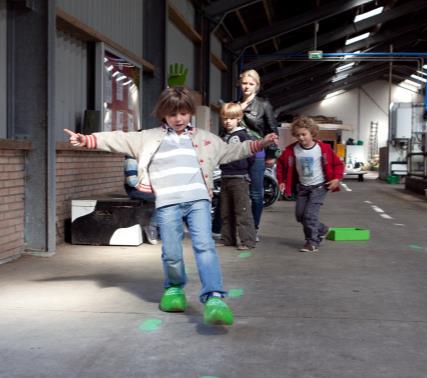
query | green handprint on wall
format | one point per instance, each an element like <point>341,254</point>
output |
<point>177,75</point>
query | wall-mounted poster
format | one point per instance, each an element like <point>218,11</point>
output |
<point>121,95</point>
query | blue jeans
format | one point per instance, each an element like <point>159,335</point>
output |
<point>197,216</point>
<point>307,211</point>
<point>256,188</point>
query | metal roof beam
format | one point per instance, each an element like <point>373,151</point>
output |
<point>340,33</point>
<point>294,23</point>
<point>323,77</point>
<point>218,8</point>
<point>312,95</point>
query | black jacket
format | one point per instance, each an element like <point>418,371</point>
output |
<point>237,167</point>
<point>259,118</point>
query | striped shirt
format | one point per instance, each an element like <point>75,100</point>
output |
<point>175,173</point>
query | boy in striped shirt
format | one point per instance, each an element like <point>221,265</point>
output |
<point>175,161</point>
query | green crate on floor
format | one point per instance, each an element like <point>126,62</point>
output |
<point>348,233</point>
<point>393,179</point>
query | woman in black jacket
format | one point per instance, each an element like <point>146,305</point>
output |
<point>258,117</point>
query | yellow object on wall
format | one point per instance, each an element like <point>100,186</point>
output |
<point>341,150</point>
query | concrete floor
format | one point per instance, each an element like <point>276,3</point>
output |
<point>355,309</point>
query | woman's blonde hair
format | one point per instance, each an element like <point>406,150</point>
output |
<point>231,110</point>
<point>252,74</point>
<point>305,123</point>
<point>174,100</point>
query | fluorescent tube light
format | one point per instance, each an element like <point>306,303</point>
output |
<point>333,94</point>
<point>121,78</point>
<point>110,67</point>
<point>422,73</point>
<point>416,77</point>
<point>413,83</point>
<point>127,82</point>
<point>366,15</point>
<point>408,87</point>
<point>339,77</point>
<point>357,38</point>
<point>344,67</point>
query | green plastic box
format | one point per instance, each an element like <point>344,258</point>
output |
<point>392,179</point>
<point>348,233</point>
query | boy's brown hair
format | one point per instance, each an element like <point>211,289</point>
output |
<point>174,100</point>
<point>231,110</point>
<point>305,123</point>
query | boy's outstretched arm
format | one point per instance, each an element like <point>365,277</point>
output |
<point>269,139</point>
<point>76,139</point>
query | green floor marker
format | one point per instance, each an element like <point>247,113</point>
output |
<point>234,293</point>
<point>245,254</point>
<point>150,325</point>
<point>414,246</point>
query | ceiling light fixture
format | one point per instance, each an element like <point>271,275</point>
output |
<point>344,67</point>
<point>413,83</point>
<point>366,15</point>
<point>416,77</point>
<point>357,38</point>
<point>339,77</point>
<point>408,87</point>
<point>333,94</point>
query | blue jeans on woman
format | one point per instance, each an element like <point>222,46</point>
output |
<point>197,216</point>
<point>256,188</point>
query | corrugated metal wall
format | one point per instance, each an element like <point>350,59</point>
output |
<point>3,55</point>
<point>186,9</point>
<point>120,20</point>
<point>215,73</point>
<point>179,49</point>
<point>70,83</point>
<point>215,83</point>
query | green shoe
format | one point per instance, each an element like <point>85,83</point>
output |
<point>173,300</point>
<point>217,312</point>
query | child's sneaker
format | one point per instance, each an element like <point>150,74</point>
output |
<point>309,248</point>
<point>325,234</point>
<point>243,247</point>
<point>217,312</point>
<point>173,300</point>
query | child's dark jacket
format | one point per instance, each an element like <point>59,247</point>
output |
<point>333,167</point>
<point>238,167</point>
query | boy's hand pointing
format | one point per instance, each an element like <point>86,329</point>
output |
<point>76,139</point>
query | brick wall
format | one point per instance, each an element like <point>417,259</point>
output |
<point>12,166</point>
<point>81,173</point>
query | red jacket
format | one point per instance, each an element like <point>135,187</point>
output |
<point>333,167</point>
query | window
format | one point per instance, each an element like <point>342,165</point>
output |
<point>119,97</point>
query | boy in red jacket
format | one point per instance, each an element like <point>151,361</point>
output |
<point>309,168</point>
